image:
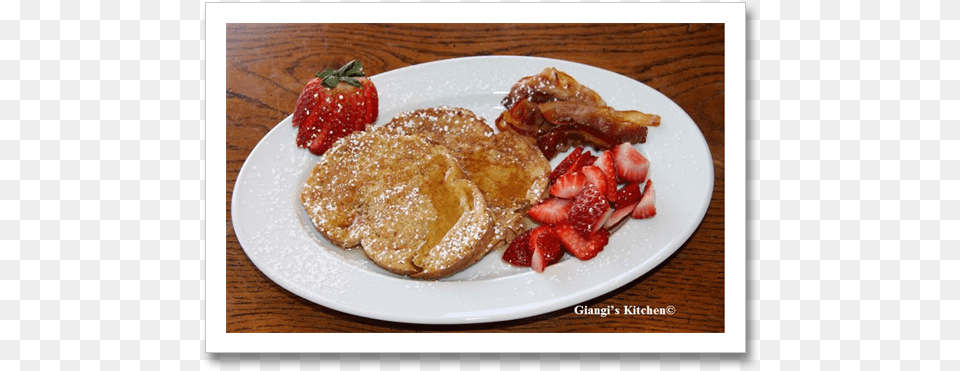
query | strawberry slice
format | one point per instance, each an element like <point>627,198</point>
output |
<point>550,211</point>
<point>569,185</point>
<point>605,163</point>
<point>577,245</point>
<point>332,129</point>
<point>629,194</point>
<point>645,208</point>
<point>368,103</point>
<point>618,215</point>
<point>519,253</point>
<point>546,248</point>
<point>627,199</point>
<point>334,104</point>
<point>630,164</point>
<point>589,211</point>
<point>596,177</point>
<point>303,116</point>
<point>565,164</point>
<point>584,160</point>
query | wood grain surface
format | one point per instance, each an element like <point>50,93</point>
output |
<point>268,64</point>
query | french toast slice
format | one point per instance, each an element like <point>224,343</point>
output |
<point>403,199</point>
<point>509,169</point>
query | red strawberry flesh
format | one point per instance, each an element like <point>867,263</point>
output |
<point>596,177</point>
<point>619,215</point>
<point>605,163</point>
<point>627,198</point>
<point>565,164</point>
<point>550,211</point>
<point>589,210</point>
<point>305,115</point>
<point>584,248</point>
<point>569,185</point>
<point>306,101</point>
<point>645,208</point>
<point>627,195</point>
<point>369,105</point>
<point>519,253</point>
<point>631,166</point>
<point>584,160</point>
<point>546,248</point>
<point>333,105</point>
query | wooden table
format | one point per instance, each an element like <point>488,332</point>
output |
<point>267,65</point>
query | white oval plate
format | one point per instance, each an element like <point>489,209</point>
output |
<point>276,234</point>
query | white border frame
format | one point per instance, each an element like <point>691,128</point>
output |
<point>733,340</point>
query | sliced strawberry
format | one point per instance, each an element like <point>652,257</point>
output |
<point>596,177</point>
<point>546,248</point>
<point>569,185</point>
<point>334,104</point>
<point>606,218</point>
<point>645,208</point>
<point>577,245</point>
<point>372,102</point>
<point>628,194</point>
<point>627,198</point>
<point>325,136</point>
<point>357,105</point>
<point>306,101</point>
<point>631,165</point>
<point>584,160</point>
<point>316,123</point>
<point>305,115</point>
<point>345,114</point>
<point>589,210</point>
<point>565,164</point>
<point>519,253</point>
<point>348,105</point>
<point>309,129</point>
<point>369,105</point>
<point>550,211</point>
<point>605,163</point>
<point>619,215</point>
<point>322,133</point>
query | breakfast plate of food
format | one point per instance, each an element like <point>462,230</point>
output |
<point>470,190</point>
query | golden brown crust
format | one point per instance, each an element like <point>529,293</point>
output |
<point>403,199</point>
<point>508,168</point>
<point>435,266</point>
<point>428,194</point>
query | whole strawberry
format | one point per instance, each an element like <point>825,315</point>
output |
<point>334,104</point>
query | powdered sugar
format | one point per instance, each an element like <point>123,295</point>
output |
<point>369,190</point>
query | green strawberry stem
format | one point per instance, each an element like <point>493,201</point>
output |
<point>348,73</point>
